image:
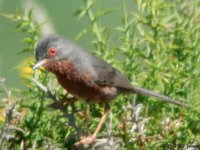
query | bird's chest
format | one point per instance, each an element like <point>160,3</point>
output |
<point>80,84</point>
<point>76,83</point>
<point>82,87</point>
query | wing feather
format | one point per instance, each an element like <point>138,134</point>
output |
<point>108,75</point>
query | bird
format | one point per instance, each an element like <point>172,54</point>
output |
<point>87,77</point>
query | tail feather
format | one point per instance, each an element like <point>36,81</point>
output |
<point>163,98</point>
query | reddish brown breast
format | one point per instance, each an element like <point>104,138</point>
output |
<point>79,85</point>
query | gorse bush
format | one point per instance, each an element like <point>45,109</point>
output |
<point>156,46</point>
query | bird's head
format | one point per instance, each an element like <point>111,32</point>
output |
<point>52,48</point>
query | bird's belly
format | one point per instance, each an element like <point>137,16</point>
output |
<point>90,93</point>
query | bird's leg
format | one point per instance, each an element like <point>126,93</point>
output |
<point>90,139</point>
<point>103,118</point>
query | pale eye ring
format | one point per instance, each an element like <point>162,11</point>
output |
<point>52,51</point>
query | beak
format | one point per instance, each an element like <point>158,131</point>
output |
<point>40,63</point>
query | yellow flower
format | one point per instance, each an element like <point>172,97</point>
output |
<point>26,68</point>
<point>2,116</point>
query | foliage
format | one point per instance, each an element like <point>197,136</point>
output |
<point>157,47</point>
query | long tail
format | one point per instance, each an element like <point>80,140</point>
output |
<point>163,98</point>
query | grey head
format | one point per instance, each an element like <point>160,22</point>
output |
<point>53,48</point>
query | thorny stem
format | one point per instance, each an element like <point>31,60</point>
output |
<point>92,20</point>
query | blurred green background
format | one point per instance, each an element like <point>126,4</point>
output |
<point>159,41</point>
<point>59,16</point>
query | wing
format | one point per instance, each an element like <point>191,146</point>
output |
<point>108,75</point>
<point>104,73</point>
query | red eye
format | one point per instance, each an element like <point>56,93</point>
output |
<point>52,51</point>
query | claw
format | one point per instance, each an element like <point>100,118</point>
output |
<point>87,140</point>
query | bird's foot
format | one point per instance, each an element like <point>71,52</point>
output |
<point>87,140</point>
